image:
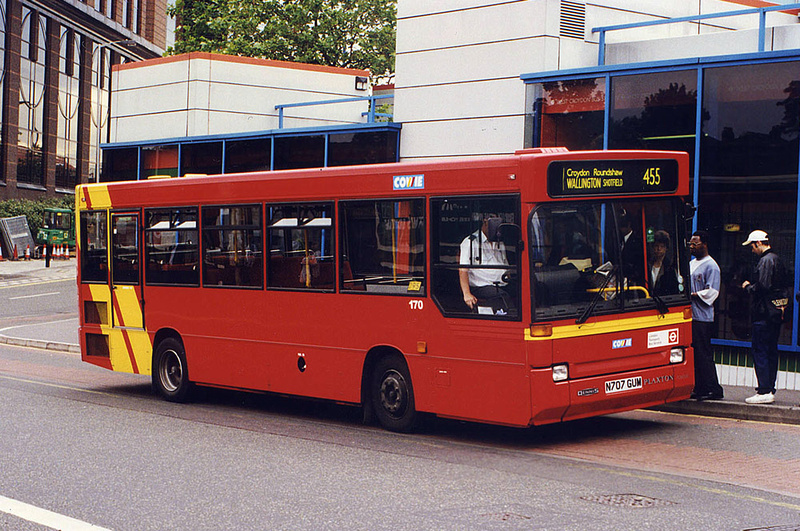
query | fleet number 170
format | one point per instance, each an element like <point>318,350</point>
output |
<point>415,304</point>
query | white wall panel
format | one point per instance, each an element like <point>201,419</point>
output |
<point>205,96</point>
<point>150,99</point>
<point>489,61</point>
<point>199,69</point>
<point>495,23</point>
<point>663,49</point>
<point>150,127</point>
<point>198,94</point>
<point>466,100</point>
<point>226,122</point>
<point>261,100</point>
<point>413,8</point>
<point>571,53</point>
<point>461,137</point>
<point>197,122</point>
<point>322,83</point>
<point>155,75</point>
<point>785,38</point>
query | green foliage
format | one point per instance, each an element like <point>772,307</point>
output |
<point>34,210</point>
<point>343,33</point>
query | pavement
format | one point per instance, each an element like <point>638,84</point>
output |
<point>63,336</point>
<point>60,335</point>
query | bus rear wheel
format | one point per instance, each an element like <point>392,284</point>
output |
<point>170,376</point>
<point>393,395</point>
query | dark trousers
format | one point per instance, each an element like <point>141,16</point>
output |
<point>765,354</point>
<point>705,371</point>
<point>493,296</point>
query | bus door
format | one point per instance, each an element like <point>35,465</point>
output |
<point>126,286</point>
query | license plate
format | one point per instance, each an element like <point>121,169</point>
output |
<point>623,384</point>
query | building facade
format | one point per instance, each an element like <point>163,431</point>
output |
<point>56,78</point>
<point>211,113</point>
<point>718,79</point>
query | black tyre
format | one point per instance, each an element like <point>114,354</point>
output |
<point>392,395</point>
<point>170,374</point>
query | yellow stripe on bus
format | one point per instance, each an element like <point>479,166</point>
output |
<point>606,327</point>
<point>125,344</point>
<point>130,310</point>
<point>98,196</point>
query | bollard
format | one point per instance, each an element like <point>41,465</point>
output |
<point>1,254</point>
<point>28,252</point>
<point>16,257</point>
<point>47,254</point>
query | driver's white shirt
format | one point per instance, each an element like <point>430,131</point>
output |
<point>483,253</point>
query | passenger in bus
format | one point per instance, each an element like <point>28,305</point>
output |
<point>483,288</point>
<point>663,278</point>
<point>631,250</point>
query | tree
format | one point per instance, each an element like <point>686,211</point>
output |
<point>343,33</point>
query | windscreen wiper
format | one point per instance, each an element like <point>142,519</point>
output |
<point>661,306</point>
<point>597,296</point>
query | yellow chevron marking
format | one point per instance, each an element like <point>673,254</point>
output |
<point>142,350</point>
<point>129,307</point>
<point>139,342</point>
<point>120,357</point>
<point>606,327</point>
<point>122,342</point>
<point>101,293</point>
<point>98,196</point>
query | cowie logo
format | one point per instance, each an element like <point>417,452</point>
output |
<point>622,343</point>
<point>408,182</point>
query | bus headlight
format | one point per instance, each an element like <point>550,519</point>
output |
<point>676,355</point>
<point>560,373</point>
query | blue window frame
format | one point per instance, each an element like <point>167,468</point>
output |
<point>745,174</point>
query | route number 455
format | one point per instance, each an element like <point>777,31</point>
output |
<point>415,304</point>
<point>652,176</point>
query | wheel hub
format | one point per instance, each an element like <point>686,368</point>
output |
<point>394,393</point>
<point>171,371</point>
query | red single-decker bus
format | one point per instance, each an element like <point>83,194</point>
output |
<point>519,290</point>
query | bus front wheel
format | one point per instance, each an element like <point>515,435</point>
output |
<point>170,377</point>
<point>392,395</point>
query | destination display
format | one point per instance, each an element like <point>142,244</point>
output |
<point>567,178</point>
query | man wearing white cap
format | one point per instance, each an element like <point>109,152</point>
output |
<point>766,315</point>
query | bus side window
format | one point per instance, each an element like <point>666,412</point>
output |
<point>94,247</point>
<point>171,246</point>
<point>475,256</point>
<point>232,246</point>
<point>383,246</point>
<point>300,240</point>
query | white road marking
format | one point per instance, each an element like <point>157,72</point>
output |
<point>44,517</point>
<point>36,324</point>
<point>37,295</point>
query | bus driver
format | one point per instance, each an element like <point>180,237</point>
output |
<point>483,247</point>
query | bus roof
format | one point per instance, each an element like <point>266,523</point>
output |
<point>524,171</point>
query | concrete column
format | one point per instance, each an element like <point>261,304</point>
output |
<point>85,110</point>
<point>51,112</point>
<point>11,99</point>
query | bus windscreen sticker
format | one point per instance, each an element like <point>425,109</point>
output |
<point>575,178</point>
<point>408,182</point>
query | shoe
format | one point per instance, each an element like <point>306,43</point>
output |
<point>766,398</point>
<point>705,396</point>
